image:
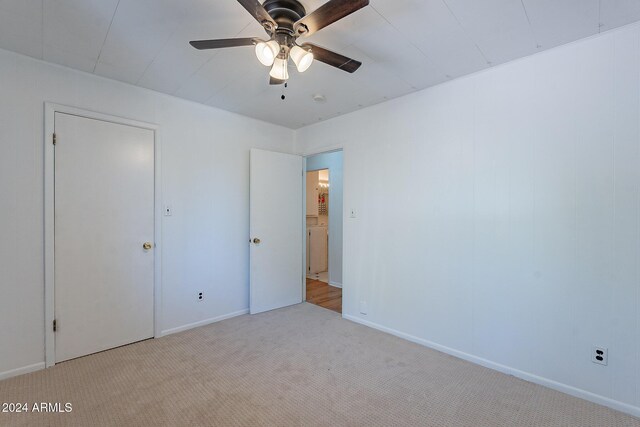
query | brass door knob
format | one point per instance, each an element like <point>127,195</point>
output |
<point>256,240</point>
<point>146,246</point>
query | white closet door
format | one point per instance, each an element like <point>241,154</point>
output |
<point>104,214</point>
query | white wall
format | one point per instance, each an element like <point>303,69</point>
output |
<point>205,167</point>
<point>499,215</point>
<point>333,162</point>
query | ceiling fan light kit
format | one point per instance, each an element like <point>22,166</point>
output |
<point>267,52</point>
<point>285,21</point>
<point>302,58</point>
<point>279,70</point>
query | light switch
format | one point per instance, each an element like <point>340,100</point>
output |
<point>167,210</point>
<point>353,213</point>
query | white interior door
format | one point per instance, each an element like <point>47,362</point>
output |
<point>276,230</point>
<point>104,214</point>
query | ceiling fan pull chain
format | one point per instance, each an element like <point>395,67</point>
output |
<point>286,85</point>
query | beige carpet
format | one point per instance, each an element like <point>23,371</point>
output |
<point>299,366</point>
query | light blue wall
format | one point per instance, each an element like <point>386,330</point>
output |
<point>333,162</point>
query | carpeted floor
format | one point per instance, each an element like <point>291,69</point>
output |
<point>299,366</point>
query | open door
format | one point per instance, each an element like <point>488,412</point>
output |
<point>276,229</point>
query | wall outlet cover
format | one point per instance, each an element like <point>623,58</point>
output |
<point>363,307</point>
<point>600,355</point>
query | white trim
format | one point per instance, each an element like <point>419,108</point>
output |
<point>564,388</point>
<point>157,231</point>
<point>204,322</point>
<point>49,214</point>
<point>21,371</point>
<point>304,229</point>
<point>335,284</point>
<point>49,234</point>
<point>325,150</point>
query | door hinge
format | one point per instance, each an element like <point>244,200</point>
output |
<point>55,139</point>
<point>55,325</point>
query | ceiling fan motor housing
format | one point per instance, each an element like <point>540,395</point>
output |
<point>285,13</point>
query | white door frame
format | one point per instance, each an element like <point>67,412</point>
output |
<point>307,154</point>
<point>49,217</point>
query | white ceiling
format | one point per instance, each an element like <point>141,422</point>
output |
<point>405,45</point>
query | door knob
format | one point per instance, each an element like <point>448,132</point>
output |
<point>256,241</point>
<point>146,246</point>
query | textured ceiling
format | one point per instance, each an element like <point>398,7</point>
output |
<point>405,45</point>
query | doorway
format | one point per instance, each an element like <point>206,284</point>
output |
<point>323,264</point>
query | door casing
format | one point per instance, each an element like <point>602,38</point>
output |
<point>49,214</point>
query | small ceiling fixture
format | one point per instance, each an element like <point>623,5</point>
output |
<point>285,21</point>
<point>320,99</point>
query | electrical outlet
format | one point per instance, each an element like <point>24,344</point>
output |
<point>200,296</point>
<point>363,307</point>
<point>600,355</point>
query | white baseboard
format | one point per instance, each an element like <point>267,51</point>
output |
<point>203,322</point>
<point>20,371</point>
<point>335,284</point>
<point>564,388</point>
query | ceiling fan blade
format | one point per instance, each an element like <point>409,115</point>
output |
<point>274,81</point>
<point>255,8</point>
<point>331,58</point>
<point>222,43</point>
<point>327,14</point>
